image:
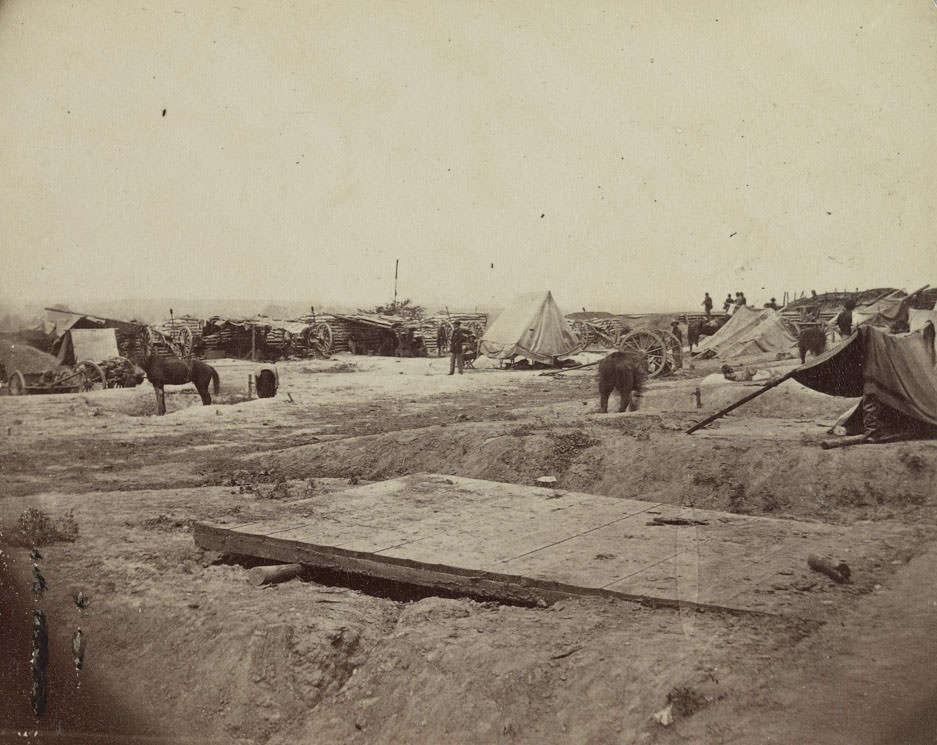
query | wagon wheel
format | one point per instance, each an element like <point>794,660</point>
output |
<point>287,348</point>
<point>674,349</point>
<point>17,384</point>
<point>585,332</point>
<point>91,375</point>
<point>650,344</point>
<point>323,333</point>
<point>185,341</point>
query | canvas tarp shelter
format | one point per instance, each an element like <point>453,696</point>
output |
<point>749,331</point>
<point>532,327</point>
<point>900,370</point>
<point>96,345</point>
<point>885,311</point>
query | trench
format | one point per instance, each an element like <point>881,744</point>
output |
<point>73,706</point>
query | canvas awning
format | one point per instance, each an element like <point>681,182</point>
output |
<point>96,345</point>
<point>899,369</point>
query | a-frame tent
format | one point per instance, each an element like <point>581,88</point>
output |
<point>534,327</point>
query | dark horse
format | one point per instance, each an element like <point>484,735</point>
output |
<point>162,371</point>
<point>698,329</point>
<point>626,372</point>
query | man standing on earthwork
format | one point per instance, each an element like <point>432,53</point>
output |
<point>455,347</point>
<point>708,305</point>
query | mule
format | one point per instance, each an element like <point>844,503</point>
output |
<point>163,371</point>
<point>625,372</point>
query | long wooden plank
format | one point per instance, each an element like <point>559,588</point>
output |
<point>530,544</point>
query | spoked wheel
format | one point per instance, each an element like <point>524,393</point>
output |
<point>323,333</point>
<point>91,376</point>
<point>17,384</point>
<point>185,341</point>
<point>649,344</point>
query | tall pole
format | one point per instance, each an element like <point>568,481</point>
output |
<point>396,265</point>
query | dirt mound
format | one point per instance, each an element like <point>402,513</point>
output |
<point>636,456</point>
<point>26,359</point>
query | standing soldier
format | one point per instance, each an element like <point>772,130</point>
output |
<point>455,347</point>
<point>440,340</point>
<point>675,330</point>
<point>843,320</point>
<point>729,302</point>
<point>708,305</point>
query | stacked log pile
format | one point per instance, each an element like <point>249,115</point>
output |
<point>472,323</point>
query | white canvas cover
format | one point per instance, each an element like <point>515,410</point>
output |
<point>885,310</point>
<point>532,327</point>
<point>750,331</point>
<point>96,345</point>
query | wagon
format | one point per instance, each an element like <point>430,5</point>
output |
<point>84,376</point>
<point>88,361</point>
<point>663,350</point>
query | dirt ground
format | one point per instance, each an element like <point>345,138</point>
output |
<point>179,647</point>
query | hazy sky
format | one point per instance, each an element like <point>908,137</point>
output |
<point>625,155</point>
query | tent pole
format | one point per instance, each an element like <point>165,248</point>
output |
<point>567,369</point>
<point>767,386</point>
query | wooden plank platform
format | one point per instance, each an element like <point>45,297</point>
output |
<point>533,544</point>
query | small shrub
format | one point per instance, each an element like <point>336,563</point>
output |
<point>687,701</point>
<point>36,528</point>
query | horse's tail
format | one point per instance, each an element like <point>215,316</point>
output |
<point>214,380</point>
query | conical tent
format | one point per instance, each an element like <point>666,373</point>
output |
<point>532,327</point>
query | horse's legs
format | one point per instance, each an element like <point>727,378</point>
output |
<point>160,400</point>
<point>202,389</point>
<point>624,390</point>
<point>604,392</point>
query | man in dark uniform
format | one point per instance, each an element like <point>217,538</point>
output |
<point>843,321</point>
<point>455,347</point>
<point>708,305</point>
<point>675,329</point>
<point>729,302</point>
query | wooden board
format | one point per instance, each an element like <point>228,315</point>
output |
<point>532,544</point>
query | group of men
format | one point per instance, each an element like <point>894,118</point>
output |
<point>731,304</point>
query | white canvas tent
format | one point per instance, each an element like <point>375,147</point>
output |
<point>749,331</point>
<point>532,327</point>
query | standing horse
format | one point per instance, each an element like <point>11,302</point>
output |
<point>625,372</point>
<point>698,329</point>
<point>162,371</point>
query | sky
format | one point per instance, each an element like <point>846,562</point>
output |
<point>627,156</point>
